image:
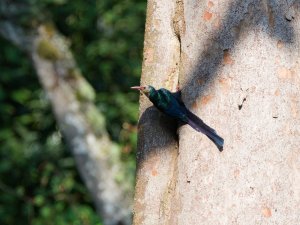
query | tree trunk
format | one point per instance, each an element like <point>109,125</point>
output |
<point>83,126</point>
<point>237,64</point>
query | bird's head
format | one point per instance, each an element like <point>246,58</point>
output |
<point>144,89</point>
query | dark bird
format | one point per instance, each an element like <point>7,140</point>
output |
<point>172,105</point>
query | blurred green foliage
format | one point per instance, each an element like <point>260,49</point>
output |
<point>39,183</point>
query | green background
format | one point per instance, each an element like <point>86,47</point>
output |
<point>39,183</point>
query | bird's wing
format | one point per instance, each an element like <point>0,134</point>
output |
<point>164,99</point>
<point>177,95</point>
<point>171,106</point>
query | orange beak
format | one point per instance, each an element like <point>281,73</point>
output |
<point>139,88</point>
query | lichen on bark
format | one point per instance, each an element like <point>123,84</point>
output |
<point>47,50</point>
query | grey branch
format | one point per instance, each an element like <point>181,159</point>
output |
<point>71,96</point>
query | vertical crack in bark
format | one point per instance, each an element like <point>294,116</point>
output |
<point>169,202</point>
<point>178,25</point>
<point>178,20</point>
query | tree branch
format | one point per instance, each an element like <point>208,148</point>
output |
<point>83,126</point>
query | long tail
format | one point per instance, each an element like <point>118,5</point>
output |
<point>196,123</point>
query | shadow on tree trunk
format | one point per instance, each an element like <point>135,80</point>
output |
<point>257,15</point>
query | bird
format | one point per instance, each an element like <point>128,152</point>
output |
<point>171,104</point>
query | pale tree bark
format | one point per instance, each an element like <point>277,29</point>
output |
<point>83,126</point>
<point>238,65</point>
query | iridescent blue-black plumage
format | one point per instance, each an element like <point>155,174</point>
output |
<point>171,104</point>
<point>168,104</point>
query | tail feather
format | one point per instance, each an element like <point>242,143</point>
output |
<point>196,123</point>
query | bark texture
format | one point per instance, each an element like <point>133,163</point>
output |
<point>238,65</point>
<point>157,141</point>
<point>83,126</point>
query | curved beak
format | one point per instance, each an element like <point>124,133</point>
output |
<point>139,88</point>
